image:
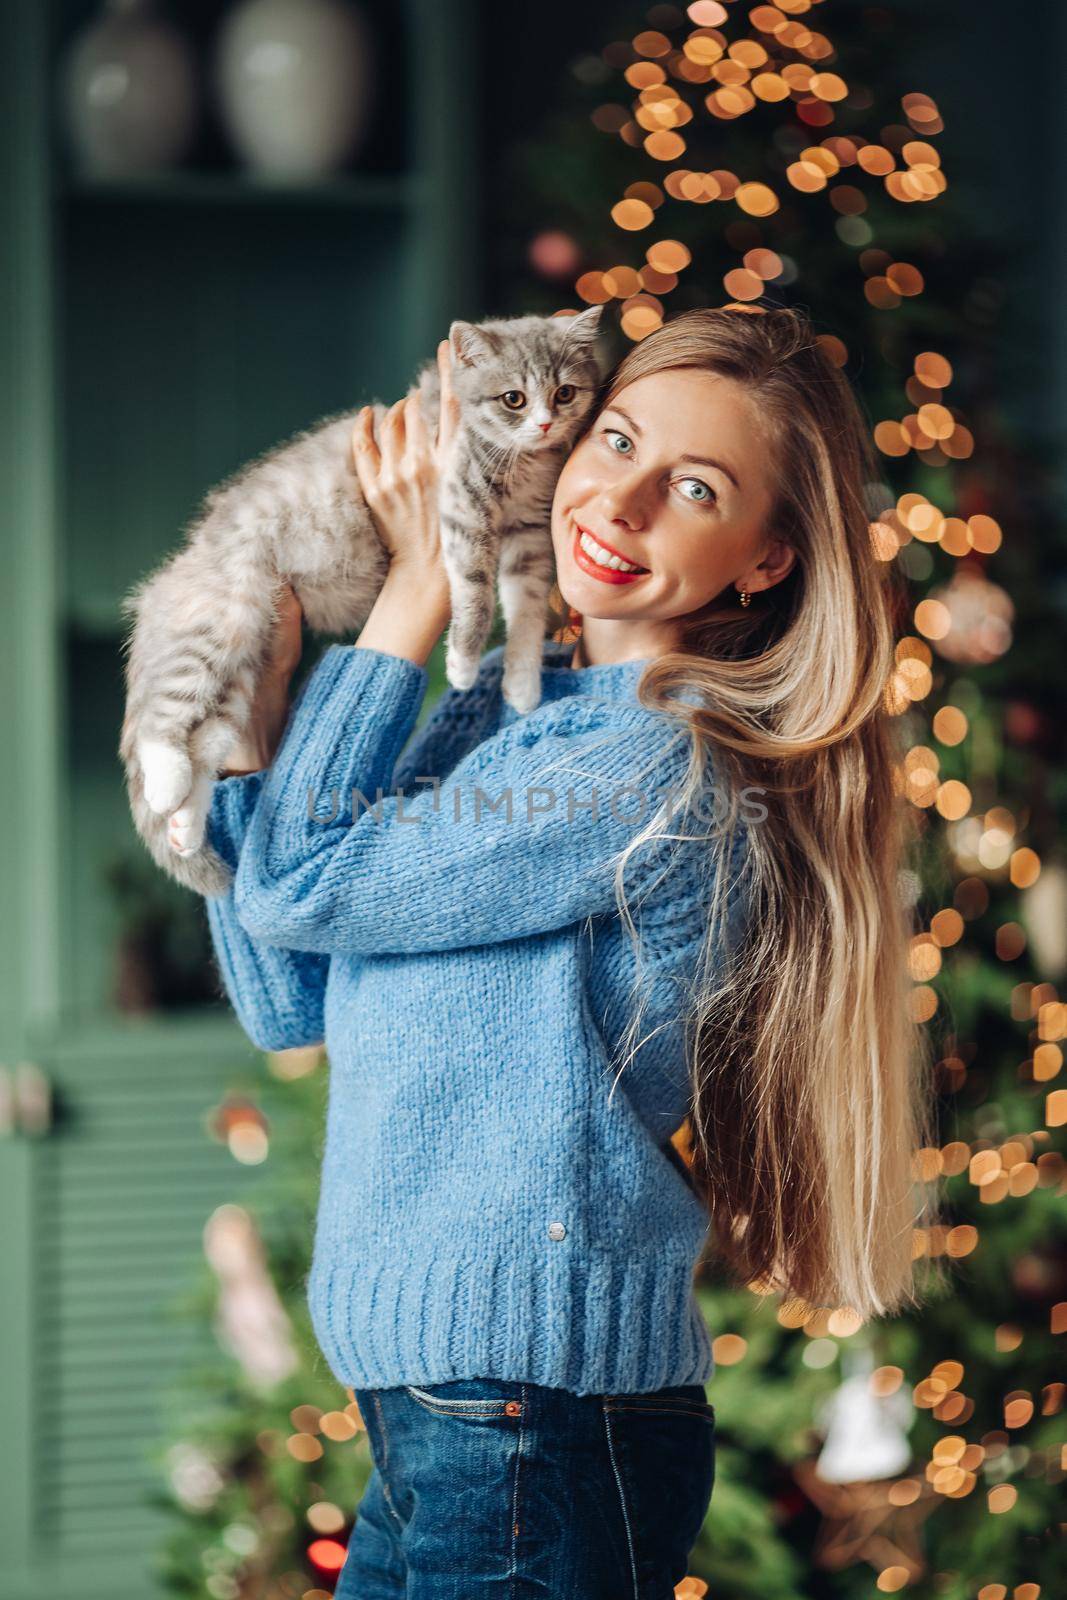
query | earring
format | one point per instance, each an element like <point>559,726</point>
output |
<point>572,630</point>
<point>746,598</point>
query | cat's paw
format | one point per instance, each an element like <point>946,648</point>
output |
<point>185,832</point>
<point>522,687</point>
<point>461,670</point>
<point>168,775</point>
<point>187,825</point>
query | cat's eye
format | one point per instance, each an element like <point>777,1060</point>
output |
<point>514,399</point>
<point>565,394</point>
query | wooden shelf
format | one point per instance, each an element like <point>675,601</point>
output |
<point>96,616</point>
<point>355,191</point>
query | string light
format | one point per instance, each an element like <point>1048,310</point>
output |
<point>683,85</point>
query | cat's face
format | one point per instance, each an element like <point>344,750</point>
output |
<point>526,383</point>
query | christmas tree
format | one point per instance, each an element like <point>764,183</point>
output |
<point>780,155</point>
<point>757,156</point>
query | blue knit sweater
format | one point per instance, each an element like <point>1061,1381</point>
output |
<point>489,1205</point>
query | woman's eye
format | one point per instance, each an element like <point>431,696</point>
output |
<point>565,394</point>
<point>514,399</point>
<point>612,434</point>
<point>707,495</point>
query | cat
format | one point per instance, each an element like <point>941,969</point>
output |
<point>202,623</point>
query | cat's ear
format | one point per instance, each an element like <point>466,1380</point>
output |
<point>585,326</point>
<point>471,344</point>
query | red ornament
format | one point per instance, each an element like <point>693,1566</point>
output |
<point>1023,722</point>
<point>327,1554</point>
<point>555,255</point>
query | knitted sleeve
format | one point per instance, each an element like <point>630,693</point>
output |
<point>458,721</point>
<point>517,841</point>
<point>277,994</point>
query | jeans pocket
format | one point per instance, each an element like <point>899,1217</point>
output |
<point>369,1402</point>
<point>661,1446</point>
<point>682,1399</point>
<point>476,1399</point>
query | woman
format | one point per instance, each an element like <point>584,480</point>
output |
<point>679,873</point>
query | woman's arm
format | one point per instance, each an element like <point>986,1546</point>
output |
<point>278,993</point>
<point>518,840</point>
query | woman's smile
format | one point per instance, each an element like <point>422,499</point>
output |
<point>602,560</point>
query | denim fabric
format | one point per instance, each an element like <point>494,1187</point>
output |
<point>490,1490</point>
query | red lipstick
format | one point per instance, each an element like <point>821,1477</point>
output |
<point>594,569</point>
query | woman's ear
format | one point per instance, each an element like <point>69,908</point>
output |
<point>778,562</point>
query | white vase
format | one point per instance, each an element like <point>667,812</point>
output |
<point>294,81</point>
<point>129,92</point>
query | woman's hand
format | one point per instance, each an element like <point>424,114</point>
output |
<point>270,708</point>
<point>448,420</point>
<point>400,480</point>
<point>399,475</point>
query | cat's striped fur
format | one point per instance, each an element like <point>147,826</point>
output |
<point>202,623</point>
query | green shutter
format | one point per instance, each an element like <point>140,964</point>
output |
<point>152,338</point>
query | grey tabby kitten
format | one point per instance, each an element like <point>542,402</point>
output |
<point>203,622</point>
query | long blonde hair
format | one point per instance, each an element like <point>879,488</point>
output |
<point>811,1085</point>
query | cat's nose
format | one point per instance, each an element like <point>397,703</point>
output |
<point>544,426</point>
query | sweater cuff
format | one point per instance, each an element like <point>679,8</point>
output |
<point>232,804</point>
<point>353,719</point>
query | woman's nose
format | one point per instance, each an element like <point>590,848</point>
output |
<point>623,505</point>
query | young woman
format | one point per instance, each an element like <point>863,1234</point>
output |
<point>536,947</point>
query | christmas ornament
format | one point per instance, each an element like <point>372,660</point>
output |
<point>868,1514</point>
<point>1044,906</point>
<point>876,1522</point>
<point>554,255</point>
<point>195,1478</point>
<point>251,1319</point>
<point>865,1432</point>
<point>980,615</point>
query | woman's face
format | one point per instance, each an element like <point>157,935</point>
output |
<point>672,477</point>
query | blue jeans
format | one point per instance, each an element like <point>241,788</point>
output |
<point>491,1490</point>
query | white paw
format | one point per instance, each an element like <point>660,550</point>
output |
<point>460,670</point>
<point>187,825</point>
<point>168,775</point>
<point>522,687</point>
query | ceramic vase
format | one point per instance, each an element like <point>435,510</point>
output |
<point>294,83</point>
<point>129,92</point>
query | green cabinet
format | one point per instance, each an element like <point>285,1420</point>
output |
<point>155,334</point>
